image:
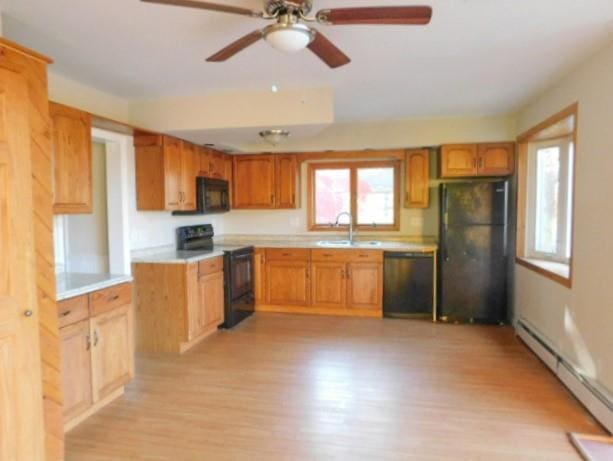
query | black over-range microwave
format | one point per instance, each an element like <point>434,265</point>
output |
<point>212,196</point>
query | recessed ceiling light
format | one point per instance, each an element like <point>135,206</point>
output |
<point>274,88</point>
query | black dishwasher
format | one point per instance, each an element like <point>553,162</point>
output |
<point>408,284</point>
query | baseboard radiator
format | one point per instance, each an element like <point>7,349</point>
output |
<point>598,401</point>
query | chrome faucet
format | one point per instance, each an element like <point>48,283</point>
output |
<point>336,224</point>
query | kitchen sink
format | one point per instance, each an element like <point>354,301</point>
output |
<point>334,243</point>
<point>347,243</point>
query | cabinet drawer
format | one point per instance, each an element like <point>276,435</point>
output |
<point>287,254</point>
<point>330,255</point>
<point>210,266</point>
<point>375,256</point>
<point>73,310</point>
<point>110,298</point>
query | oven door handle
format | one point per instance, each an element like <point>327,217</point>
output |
<point>243,256</point>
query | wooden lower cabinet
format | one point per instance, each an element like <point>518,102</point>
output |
<point>112,351</point>
<point>211,301</point>
<point>337,282</point>
<point>76,369</point>
<point>287,282</point>
<point>177,305</point>
<point>97,352</point>
<point>328,284</point>
<point>365,285</point>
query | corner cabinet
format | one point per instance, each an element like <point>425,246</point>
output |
<point>97,344</point>
<point>265,181</point>
<point>417,193</point>
<point>166,171</point>
<point>72,159</point>
<point>470,160</point>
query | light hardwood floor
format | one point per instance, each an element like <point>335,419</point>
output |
<point>321,388</point>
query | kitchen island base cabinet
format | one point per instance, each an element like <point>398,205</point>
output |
<point>177,305</point>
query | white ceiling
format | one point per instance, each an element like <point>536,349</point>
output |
<point>476,57</point>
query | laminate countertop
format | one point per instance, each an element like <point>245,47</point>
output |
<point>71,284</point>
<point>166,255</point>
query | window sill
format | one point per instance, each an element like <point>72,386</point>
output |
<point>558,272</point>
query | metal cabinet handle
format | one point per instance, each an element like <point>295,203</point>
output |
<point>95,338</point>
<point>272,198</point>
<point>66,314</point>
<point>88,343</point>
<point>114,298</point>
<point>28,313</point>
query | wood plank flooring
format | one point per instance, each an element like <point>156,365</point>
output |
<point>284,387</point>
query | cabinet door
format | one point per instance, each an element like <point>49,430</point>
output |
<point>172,173</point>
<point>217,165</point>
<point>286,172</point>
<point>194,314</point>
<point>496,159</point>
<point>190,167</point>
<point>254,181</point>
<point>365,285</point>
<point>112,351</point>
<point>417,179</point>
<point>458,160</point>
<point>21,421</point>
<point>287,283</point>
<point>203,157</point>
<point>227,162</point>
<point>328,284</point>
<point>211,300</point>
<point>76,369</point>
<point>259,273</point>
<point>72,158</point>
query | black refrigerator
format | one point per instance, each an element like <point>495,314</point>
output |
<point>474,251</point>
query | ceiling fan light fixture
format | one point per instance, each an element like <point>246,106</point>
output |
<point>274,137</point>
<point>289,38</point>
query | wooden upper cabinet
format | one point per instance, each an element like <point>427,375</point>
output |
<point>76,369</point>
<point>286,174</point>
<point>458,160</point>
<point>227,168</point>
<point>487,159</point>
<point>166,170</point>
<point>203,157</point>
<point>217,165</point>
<point>417,194</point>
<point>190,168</point>
<point>72,158</point>
<point>496,159</point>
<point>173,172</point>
<point>254,181</point>
<point>112,351</point>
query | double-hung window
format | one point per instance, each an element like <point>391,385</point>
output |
<point>368,191</point>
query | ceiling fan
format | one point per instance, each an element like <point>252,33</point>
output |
<point>290,33</point>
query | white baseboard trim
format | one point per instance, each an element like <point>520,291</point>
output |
<point>598,403</point>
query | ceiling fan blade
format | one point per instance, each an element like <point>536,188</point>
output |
<point>236,47</point>
<point>208,6</point>
<point>394,15</point>
<point>328,52</point>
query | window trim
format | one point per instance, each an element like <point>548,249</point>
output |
<point>562,125</point>
<point>353,166</point>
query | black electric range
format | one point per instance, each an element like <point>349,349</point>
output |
<point>239,297</point>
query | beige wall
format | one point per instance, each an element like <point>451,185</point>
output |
<point>579,321</point>
<point>72,93</point>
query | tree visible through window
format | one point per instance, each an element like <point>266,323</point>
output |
<point>367,190</point>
